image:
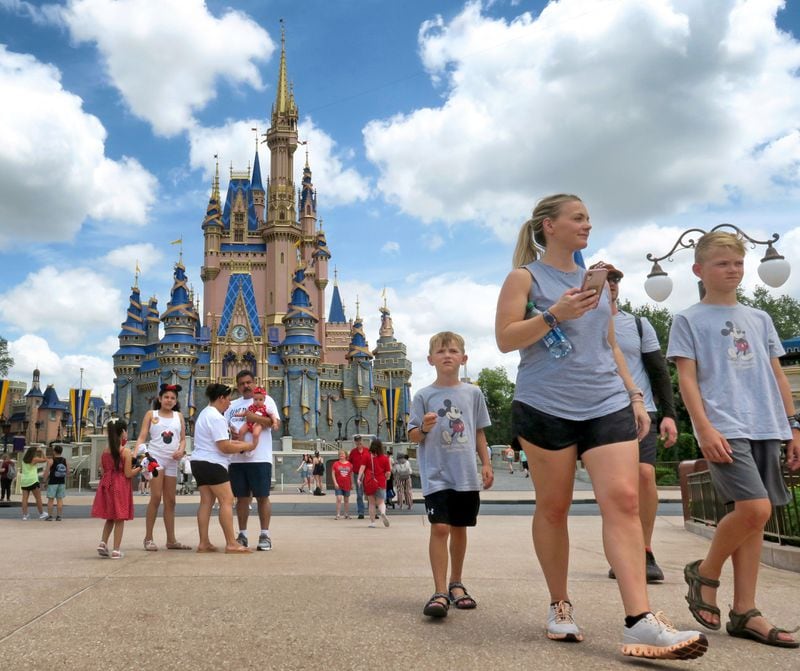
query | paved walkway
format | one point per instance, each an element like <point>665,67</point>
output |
<point>334,594</point>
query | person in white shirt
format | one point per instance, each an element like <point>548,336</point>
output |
<point>210,459</point>
<point>251,473</point>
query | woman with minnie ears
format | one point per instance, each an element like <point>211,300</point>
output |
<point>113,501</point>
<point>582,406</point>
<point>164,431</point>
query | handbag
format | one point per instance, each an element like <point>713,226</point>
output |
<point>370,481</point>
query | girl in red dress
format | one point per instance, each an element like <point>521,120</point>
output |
<point>113,501</point>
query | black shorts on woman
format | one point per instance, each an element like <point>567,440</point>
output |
<point>556,433</point>
<point>207,473</point>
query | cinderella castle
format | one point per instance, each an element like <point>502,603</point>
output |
<point>265,276</point>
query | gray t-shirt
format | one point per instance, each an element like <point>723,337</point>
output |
<point>633,347</point>
<point>584,384</point>
<point>732,346</point>
<point>447,456</point>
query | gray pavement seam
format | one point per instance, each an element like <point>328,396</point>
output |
<point>61,603</point>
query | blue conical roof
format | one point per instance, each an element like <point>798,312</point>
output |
<point>336,313</point>
<point>134,322</point>
<point>255,181</point>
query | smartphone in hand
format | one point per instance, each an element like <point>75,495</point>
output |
<point>595,278</point>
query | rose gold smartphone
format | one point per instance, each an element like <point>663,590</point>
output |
<point>594,278</point>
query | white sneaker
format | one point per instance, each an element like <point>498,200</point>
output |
<point>384,519</point>
<point>654,636</point>
<point>561,623</point>
<point>43,516</point>
<point>24,517</point>
<point>371,525</point>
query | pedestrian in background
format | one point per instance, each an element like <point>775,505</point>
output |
<point>29,480</point>
<point>401,472</point>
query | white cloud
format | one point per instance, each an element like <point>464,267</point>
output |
<point>424,306</point>
<point>53,171</point>
<point>644,107</point>
<point>67,304</point>
<point>391,247</point>
<point>234,143</point>
<point>433,241</point>
<point>166,57</point>
<point>61,370</point>
<point>146,254</point>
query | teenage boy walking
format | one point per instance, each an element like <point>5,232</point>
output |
<point>741,407</point>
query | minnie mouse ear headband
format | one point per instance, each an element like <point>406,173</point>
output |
<point>260,390</point>
<point>170,387</point>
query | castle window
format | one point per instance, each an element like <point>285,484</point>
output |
<point>283,215</point>
<point>238,217</point>
<point>281,264</point>
<point>238,234</point>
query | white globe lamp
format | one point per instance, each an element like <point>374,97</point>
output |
<point>658,284</point>
<point>774,270</point>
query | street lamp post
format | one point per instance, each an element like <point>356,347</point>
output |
<point>773,271</point>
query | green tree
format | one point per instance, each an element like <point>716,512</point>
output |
<point>6,362</point>
<point>498,391</point>
<point>784,310</point>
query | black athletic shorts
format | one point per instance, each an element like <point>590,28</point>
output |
<point>556,433</point>
<point>648,446</point>
<point>458,509</point>
<point>207,473</point>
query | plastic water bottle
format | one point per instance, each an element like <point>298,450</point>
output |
<point>556,342</point>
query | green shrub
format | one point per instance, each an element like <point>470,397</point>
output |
<point>666,476</point>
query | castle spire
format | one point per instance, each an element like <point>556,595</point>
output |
<point>283,97</point>
<point>215,186</point>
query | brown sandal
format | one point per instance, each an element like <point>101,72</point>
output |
<point>691,575</point>
<point>436,608</point>
<point>738,627</point>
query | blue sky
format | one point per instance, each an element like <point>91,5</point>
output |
<point>433,128</point>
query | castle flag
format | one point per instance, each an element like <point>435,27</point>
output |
<point>4,384</point>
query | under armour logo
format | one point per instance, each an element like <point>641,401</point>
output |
<point>429,511</point>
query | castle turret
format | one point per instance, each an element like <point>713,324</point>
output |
<point>177,350</point>
<point>300,352</point>
<point>131,353</point>
<point>212,233</point>
<point>257,189</point>
<point>392,378</point>
<point>359,356</point>
<point>337,328</point>
<point>282,233</point>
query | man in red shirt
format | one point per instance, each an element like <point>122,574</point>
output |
<point>342,479</point>
<point>359,456</point>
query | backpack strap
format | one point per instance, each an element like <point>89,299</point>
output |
<point>638,325</point>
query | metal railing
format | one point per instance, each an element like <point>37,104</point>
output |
<point>705,507</point>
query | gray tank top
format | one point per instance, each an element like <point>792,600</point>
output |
<point>585,384</point>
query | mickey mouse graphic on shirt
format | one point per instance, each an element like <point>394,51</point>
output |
<point>166,436</point>
<point>740,351</point>
<point>455,423</point>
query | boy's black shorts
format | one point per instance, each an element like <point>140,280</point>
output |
<point>458,509</point>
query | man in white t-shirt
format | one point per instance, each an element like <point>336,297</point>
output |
<point>251,472</point>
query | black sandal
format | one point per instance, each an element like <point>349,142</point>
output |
<point>738,627</point>
<point>436,608</point>
<point>463,602</point>
<point>693,578</point>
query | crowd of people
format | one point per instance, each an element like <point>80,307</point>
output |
<point>592,385</point>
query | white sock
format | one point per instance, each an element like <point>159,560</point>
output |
<point>382,508</point>
<point>243,532</point>
<point>265,532</point>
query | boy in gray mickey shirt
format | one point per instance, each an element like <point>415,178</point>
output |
<point>741,407</point>
<point>447,421</point>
